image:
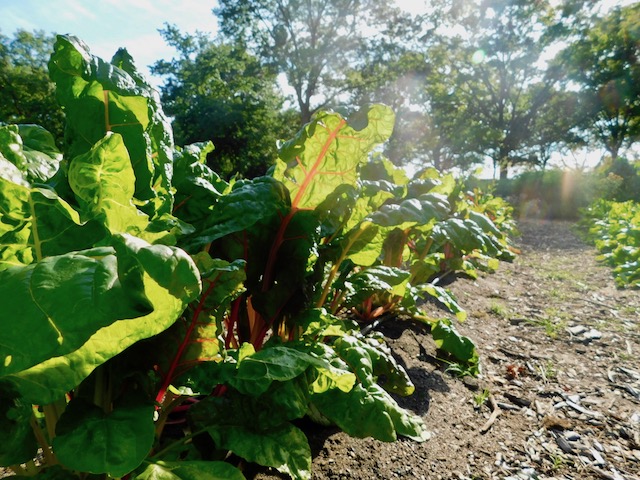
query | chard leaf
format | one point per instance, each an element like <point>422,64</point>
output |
<point>484,223</point>
<point>423,210</point>
<point>32,150</point>
<point>381,169</point>
<point>278,363</point>
<point>198,187</point>
<point>445,297</point>
<point>284,448</point>
<point>282,402</point>
<point>369,411</point>
<point>8,171</point>
<point>248,203</point>
<point>170,281</point>
<point>58,303</point>
<point>114,443</point>
<point>104,183</point>
<point>19,445</point>
<point>36,223</point>
<point>363,244</point>
<point>98,97</point>
<point>377,280</point>
<point>449,340</point>
<point>189,470</point>
<point>326,153</point>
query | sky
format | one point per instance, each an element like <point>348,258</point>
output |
<point>106,25</point>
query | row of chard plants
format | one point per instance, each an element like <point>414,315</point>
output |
<point>157,317</point>
<point>614,229</point>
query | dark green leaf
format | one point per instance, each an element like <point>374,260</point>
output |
<point>90,440</point>
<point>189,470</point>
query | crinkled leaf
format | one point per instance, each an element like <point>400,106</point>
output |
<point>282,402</point>
<point>90,440</point>
<point>8,171</point>
<point>32,150</point>
<point>445,297</point>
<point>363,244</point>
<point>104,183</point>
<point>278,363</point>
<point>189,470</point>
<point>41,152</point>
<point>249,202</point>
<point>327,152</point>
<point>284,448</point>
<point>412,211</point>
<point>36,223</point>
<point>369,411</point>
<point>376,280</point>
<point>449,340</point>
<point>60,302</point>
<point>98,97</point>
<point>19,444</point>
<point>171,281</point>
<point>197,186</point>
<point>381,169</point>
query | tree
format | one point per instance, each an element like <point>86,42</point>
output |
<point>605,63</point>
<point>314,44</point>
<point>26,93</point>
<point>498,82</point>
<point>219,92</point>
<point>556,127</point>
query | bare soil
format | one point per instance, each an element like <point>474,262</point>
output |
<point>559,392</point>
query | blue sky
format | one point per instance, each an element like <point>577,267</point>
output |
<point>106,25</point>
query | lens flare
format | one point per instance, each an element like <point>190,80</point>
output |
<point>478,56</point>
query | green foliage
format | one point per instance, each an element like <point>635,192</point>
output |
<point>315,44</point>
<point>604,62</point>
<point>26,92</point>
<point>554,193</point>
<point>614,228</point>
<point>143,291</point>
<point>220,93</point>
<point>620,179</point>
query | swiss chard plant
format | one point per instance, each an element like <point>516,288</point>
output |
<point>158,317</point>
<point>614,229</point>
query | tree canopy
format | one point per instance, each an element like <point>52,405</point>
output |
<point>219,92</point>
<point>605,64</point>
<point>26,93</point>
<point>314,44</point>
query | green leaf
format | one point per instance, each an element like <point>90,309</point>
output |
<point>384,282</point>
<point>449,340</point>
<point>327,152</point>
<point>98,97</point>
<point>248,203</point>
<point>198,187</point>
<point>189,470</point>
<point>369,411</point>
<point>8,171</point>
<point>36,223</point>
<point>90,440</point>
<point>284,448</point>
<point>445,297</point>
<point>32,150</point>
<point>282,402</point>
<point>170,281</point>
<point>277,363</point>
<point>428,208</point>
<point>104,183</point>
<point>19,444</point>
<point>58,303</point>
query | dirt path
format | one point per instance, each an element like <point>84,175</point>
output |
<point>560,351</point>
